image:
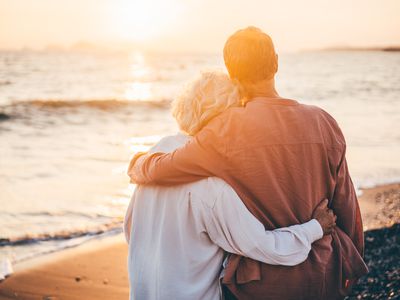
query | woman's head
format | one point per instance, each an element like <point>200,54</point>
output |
<point>203,99</point>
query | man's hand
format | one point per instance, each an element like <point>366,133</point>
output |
<point>131,171</point>
<point>325,217</point>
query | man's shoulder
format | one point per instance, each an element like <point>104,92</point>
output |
<point>316,110</point>
<point>326,122</point>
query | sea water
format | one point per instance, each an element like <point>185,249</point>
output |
<point>70,121</point>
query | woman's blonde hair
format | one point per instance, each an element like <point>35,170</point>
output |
<point>203,99</point>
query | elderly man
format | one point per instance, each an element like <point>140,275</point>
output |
<point>280,157</point>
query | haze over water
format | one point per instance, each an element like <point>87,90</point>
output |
<point>69,122</point>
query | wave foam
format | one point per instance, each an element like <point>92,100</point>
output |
<point>113,226</point>
<point>105,104</point>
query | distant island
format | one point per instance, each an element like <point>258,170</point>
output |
<point>388,49</point>
<point>395,49</point>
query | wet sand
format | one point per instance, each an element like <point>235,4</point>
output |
<point>97,270</point>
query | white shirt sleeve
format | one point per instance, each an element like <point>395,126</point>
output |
<point>231,226</point>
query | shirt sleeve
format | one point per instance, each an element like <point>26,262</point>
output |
<point>345,206</point>
<point>232,227</point>
<point>343,202</point>
<point>201,157</point>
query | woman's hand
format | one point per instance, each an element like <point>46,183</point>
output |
<point>325,217</point>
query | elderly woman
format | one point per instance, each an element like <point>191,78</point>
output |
<point>178,235</point>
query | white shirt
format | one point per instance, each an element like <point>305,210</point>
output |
<point>177,236</point>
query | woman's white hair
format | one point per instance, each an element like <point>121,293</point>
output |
<point>203,99</point>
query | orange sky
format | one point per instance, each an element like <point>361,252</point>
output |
<point>198,25</point>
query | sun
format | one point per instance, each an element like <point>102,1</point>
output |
<point>143,20</point>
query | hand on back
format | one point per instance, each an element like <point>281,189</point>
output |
<point>325,217</point>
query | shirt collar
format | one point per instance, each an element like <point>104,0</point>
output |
<point>274,101</point>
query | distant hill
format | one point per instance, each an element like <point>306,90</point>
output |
<point>388,49</point>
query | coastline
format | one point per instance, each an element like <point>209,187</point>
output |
<point>380,206</point>
<point>97,269</point>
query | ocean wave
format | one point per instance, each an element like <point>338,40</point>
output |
<point>28,108</point>
<point>29,239</point>
<point>57,214</point>
<point>105,104</point>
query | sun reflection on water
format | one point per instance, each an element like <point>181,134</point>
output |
<point>140,89</point>
<point>141,144</point>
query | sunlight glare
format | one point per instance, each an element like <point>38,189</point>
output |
<point>140,21</point>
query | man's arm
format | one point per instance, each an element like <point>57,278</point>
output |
<point>344,199</point>
<point>232,227</point>
<point>201,157</point>
<point>345,206</point>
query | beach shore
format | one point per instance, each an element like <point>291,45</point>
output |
<point>97,270</point>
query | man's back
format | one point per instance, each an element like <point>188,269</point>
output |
<point>283,158</point>
<point>281,150</point>
<point>287,153</point>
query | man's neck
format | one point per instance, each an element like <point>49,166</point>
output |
<point>264,89</point>
<point>266,94</point>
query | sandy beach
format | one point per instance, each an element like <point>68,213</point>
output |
<point>97,270</point>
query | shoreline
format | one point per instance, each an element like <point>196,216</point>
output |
<point>97,269</point>
<point>380,206</point>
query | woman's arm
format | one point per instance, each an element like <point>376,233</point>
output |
<point>232,227</point>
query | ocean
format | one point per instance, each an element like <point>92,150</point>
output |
<point>70,121</point>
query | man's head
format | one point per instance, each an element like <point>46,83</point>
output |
<point>250,56</point>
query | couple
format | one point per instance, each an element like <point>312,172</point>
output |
<point>236,201</point>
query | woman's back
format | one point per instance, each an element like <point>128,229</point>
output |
<point>171,256</point>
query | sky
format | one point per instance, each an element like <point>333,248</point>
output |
<point>198,25</point>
